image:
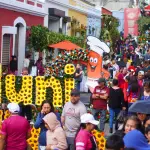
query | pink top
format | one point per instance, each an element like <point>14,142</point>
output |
<point>83,140</point>
<point>15,128</point>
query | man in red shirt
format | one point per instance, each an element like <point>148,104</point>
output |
<point>99,101</point>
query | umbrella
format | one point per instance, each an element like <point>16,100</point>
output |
<point>66,45</point>
<point>141,106</point>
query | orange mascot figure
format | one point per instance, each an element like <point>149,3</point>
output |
<point>94,66</point>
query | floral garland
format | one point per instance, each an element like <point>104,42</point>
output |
<point>56,67</point>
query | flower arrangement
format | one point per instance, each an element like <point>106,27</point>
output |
<point>33,140</point>
<point>24,94</point>
<point>55,84</point>
<point>69,82</point>
<point>42,84</point>
<point>101,141</point>
<point>34,90</point>
<point>6,114</point>
<point>1,115</point>
<point>0,91</point>
<point>56,67</point>
<point>142,39</point>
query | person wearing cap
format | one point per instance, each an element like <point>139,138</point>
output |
<point>135,139</point>
<point>84,139</point>
<point>70,118</point>
<point>15,130</point>
<point>99,101</point>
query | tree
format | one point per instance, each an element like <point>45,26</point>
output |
<point>109,29</point>
<point>38,39</point>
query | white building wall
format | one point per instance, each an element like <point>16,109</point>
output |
<point>50,4</point>
<point>117,5</point>
<point>111,4</point>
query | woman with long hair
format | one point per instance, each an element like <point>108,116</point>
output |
<point>46,108</point>
<point>84,139</point>
<point>133,91</point>
<point>131,123</point>
<point>145,93</point>
<point>116,103</point>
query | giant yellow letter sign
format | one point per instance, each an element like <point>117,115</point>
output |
<point>25,93</point>
<point>42,84</point>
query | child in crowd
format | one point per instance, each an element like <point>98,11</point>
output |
<point>147,133</point>
<point>55,135</point>
<point>114,142</point>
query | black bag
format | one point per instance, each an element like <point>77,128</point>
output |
<point>121,116</point>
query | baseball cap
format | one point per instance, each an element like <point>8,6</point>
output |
<point>88,118</point>
<point>101,80</point>
<point>75,92</point>
<point>141,72</point>
<point>13,107</point>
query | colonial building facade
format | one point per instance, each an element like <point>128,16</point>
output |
<point>17,16</point>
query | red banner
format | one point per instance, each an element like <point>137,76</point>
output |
<point>131,16</point>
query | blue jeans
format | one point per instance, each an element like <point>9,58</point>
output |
<point>70,141</point>
<point>78,85</point>
<point>102,117</point>
<point>113,113</point>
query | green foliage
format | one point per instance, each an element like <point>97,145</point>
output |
<point>109,28</point>
<point>143,24</point>
<point>41,37</point>
<point>4,98</point>
<point>38,38</point>
<point>142,39</point>
<point>54,38</point>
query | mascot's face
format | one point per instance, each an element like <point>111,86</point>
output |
<point>94,65</point>
<point>93,60</point>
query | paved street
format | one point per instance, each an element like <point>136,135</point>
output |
<point>85,98</point>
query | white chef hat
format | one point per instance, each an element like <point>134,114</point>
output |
<point>97,46</point>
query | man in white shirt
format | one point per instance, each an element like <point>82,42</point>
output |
<point>70,118</point>
<point>27,61</point>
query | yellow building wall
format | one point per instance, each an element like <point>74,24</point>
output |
<point>72,2</point>
<point>82,18</point>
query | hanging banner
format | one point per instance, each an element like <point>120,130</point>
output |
<point>131,16</point>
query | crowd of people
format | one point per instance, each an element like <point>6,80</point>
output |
<point>33,68</point>
<point>129,83</point>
